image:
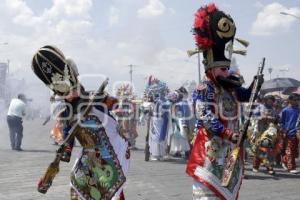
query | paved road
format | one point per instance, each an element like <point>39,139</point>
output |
<point>20,171</point>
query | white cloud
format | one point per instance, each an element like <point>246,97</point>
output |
<point>74,8</point>
<point>113,16</point>
<point>61,9</point>
<point>167,63</point>
<point>154,8</point>
<point>122,45</point>
<point>70,27</point>
<point>65,24</point>
<point>269,21</point>
<point>21,13</point>
<point>171,54</point>
<point>259,4</point>
<point>172,65</point>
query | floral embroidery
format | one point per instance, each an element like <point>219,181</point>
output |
<point>60,82</point>
<point>46,67</point>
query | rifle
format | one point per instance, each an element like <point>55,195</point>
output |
<point>53,169</point>
<point>147,147</point>
<point>233,157</point>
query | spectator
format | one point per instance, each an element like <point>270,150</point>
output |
<point>16,111</point>
<point>290,125</point>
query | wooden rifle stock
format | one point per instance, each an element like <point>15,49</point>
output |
<point>233,157</point>
<point>53,169</point>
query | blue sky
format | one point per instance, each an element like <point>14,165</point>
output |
<point>104,36</point>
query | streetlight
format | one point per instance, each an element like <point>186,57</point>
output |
<point>285,13</point>
<point>270,70</point>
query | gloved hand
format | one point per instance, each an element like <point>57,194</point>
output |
<point>260,79</point>
<point>234,138</point>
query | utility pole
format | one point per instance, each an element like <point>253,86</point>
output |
<point>199,68</point>
<point>131,71</point>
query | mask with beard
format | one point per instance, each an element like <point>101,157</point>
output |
<point>229,82</point>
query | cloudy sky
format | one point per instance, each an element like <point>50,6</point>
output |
<point>105,36</point>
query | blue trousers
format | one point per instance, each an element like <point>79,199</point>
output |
<point>16,131</point>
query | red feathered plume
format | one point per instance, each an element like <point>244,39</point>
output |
<point>201,26</point>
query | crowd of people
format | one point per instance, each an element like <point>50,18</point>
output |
<point>273,137</point>
<point>202,127</point>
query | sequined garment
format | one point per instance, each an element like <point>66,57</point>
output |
<point>217,113</point>
<point>101,169</point>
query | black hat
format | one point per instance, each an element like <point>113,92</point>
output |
<point>271,97</point>
<point>51,66</point>
<point>294,97</point>
<point>214,34</point>
<point>182,90</point>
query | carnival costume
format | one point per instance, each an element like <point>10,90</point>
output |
<point>156,92</point>
<point>101,168</point>
<point>126,113</point>
<point>216,104</point>
<point>181,116</point>
<point>265,142</point>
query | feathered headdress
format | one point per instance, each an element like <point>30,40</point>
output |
<point>155,88</point>
<point>202,28</point>
<point>125,90</point>
<point>214,34</point>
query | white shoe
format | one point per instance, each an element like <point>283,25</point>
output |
<point>153,158</point>
<point>166,157</point>
<point>294,171</point>
<point>255,170</point>
<point>284,166</point>
<point>271,172</point>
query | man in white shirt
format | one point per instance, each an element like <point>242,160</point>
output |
<point>15,113</point>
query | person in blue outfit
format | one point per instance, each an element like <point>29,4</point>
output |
<point>290,123</point>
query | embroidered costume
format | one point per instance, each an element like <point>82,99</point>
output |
<point>217,109</point>
<point>156,92</point>
<point>126,113</point>
<point>181,116</point>
<point>101,168</point>
<point>266,142</point>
